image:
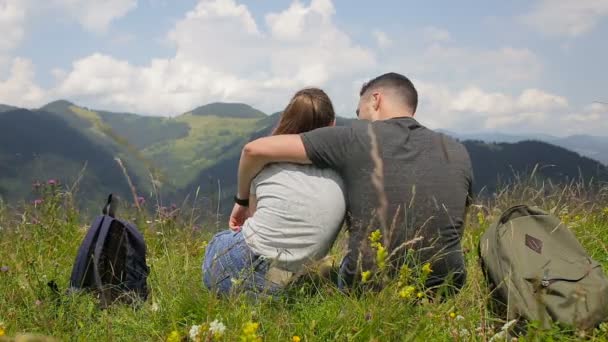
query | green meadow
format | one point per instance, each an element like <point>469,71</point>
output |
<point>38,244</point>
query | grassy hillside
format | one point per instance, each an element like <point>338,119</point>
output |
<point>209,140</point>
<point>311,311</point>
<point>58,151</point>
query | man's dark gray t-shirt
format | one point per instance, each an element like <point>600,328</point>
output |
<point>426,182</point>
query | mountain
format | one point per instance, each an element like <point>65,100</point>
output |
<point>37,145</point>
<point>5,108</point>
<point>589,146</point>
<point>200,149</point>
<point>229,110</point>
<point>501,163</point>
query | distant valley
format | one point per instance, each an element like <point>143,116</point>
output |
<point>198,151</point>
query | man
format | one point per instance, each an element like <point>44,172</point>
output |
<point>407,181</point>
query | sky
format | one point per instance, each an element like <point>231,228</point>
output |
<point>533,66</point>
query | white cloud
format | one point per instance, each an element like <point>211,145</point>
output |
<point>382,39</point>
<point>20,89</point>
<point>593,119</point>
<point>567,18</point>
<point>96,15</point>
<point>12,16</point>
<point>474,109</point>
<point>223,55</point>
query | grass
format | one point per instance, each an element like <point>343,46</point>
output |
<point>38,244</point>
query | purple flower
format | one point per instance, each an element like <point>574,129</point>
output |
<point>141,200</point>
<point>38,302</point>
<point>38,201</point>
<point>52,182</point>
<point>173,206</point>
<point>4,269</point>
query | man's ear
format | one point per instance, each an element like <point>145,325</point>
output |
<point>377,97</point>
<point>333,123</point>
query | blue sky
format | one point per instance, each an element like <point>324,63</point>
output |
<point>525,66</point>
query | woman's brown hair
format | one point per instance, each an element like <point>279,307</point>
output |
<point>308,109</point>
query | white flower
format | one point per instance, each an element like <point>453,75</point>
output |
<point>194,332</point>
<point>504,331</point>
<point>217,328</point>
<point>463,333</point>
<point>460,318</point>
<point>155,307</point>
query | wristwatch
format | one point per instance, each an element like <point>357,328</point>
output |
<point>241,202</point>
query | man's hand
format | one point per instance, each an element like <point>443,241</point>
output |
<point>238,217</point>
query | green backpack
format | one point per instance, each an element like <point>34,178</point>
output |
<point>538,271</point>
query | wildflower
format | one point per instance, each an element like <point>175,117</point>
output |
<point>452,315</point>
<point>502,334</point>
<point>381,255</point>
<point>577,218</point>
<point>295,338</point>
<point>463,333</point>
<point>37,202</point>
<point>420,294</point>
<point>365,276</point>
<point>2,329</point>
<point>407,292</point>
<point>155,307</point>
<point>38,302</point>
<point>217,328</point>
<point>375,236</point>
<point>174,337</point>
<point>141,200</point>
<point>52,182</point>
<point>195,332</point>
<point>426,269</point>
<point>460,318</point>
<point>250,332</point>
<point>204,244</point>
<point>404,274</point>
<point>4,269</point>
<point>481,218</point>
<point>605,211</point>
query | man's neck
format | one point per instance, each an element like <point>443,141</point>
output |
<point>389,117</point>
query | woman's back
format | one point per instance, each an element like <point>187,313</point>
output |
<point>300,209</point>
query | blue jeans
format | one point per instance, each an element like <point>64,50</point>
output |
<point>230,265</point>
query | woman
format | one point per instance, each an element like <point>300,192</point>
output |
<point>296,214</point>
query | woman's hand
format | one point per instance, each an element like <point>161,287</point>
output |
<point>238,217</point>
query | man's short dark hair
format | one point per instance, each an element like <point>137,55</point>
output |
<point>403,86</point>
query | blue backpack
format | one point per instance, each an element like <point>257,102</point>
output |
<point>111,261</point>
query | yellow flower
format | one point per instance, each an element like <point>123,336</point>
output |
<point>250,332</point>
<point>381,255</point>
<point>420,294</point>
<point>426,269</point>
<point>296,338</point>
<point>606,211</point>
<point>174,337</point>
<point>577,217</point>
<point>375,236</point>
<point>2,329</point>
<point>404,274</point>
<point>365,276</point>
<point>204,244</point>
<point>452,315</point>
<point>407,292</point>
<point>481,218</point>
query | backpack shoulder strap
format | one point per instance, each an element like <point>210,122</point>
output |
<point>82,258</point>
<point>101,239</point>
